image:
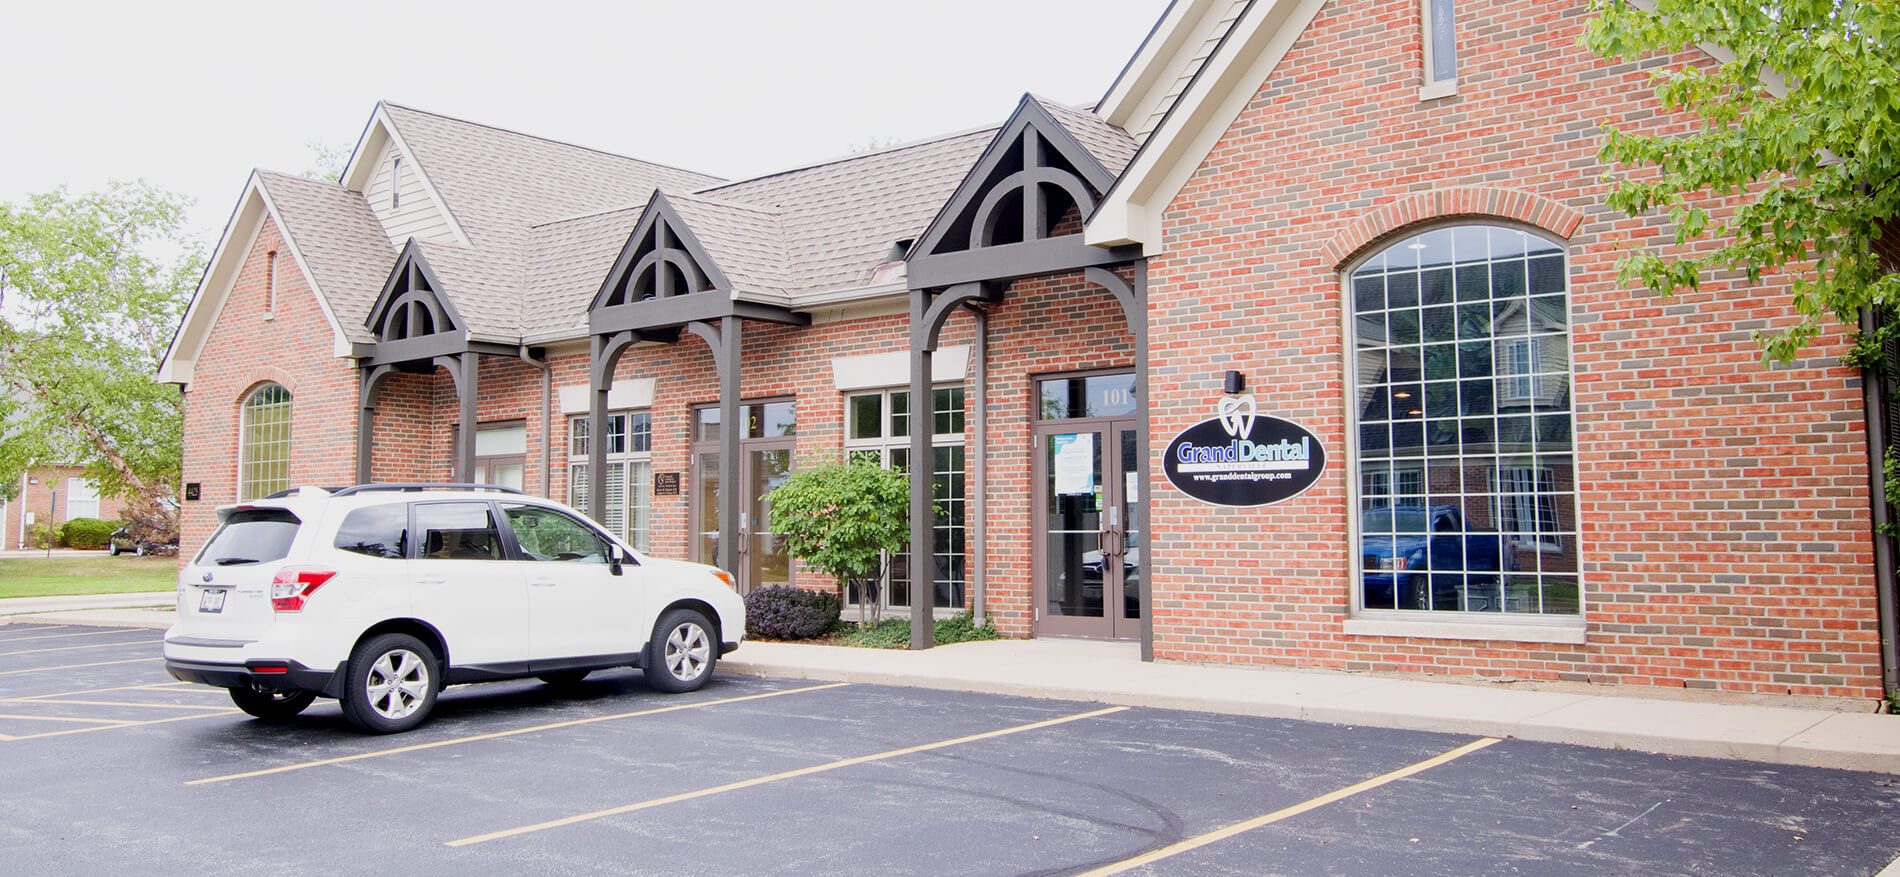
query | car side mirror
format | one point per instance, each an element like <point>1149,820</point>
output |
<point>618,560</point>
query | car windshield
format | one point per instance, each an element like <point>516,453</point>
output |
<point>251,536</point>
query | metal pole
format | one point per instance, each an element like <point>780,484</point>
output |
<point>1874,401</point>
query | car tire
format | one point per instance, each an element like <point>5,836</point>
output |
<point>392,683</point>
<point>682,652</point>
<point>272,705</point>
<point>114,549</point>
<point>563,678</point>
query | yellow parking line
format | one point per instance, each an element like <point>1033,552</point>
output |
<point>21,639</point>
<point>77,666</point>
<point>790,774</point>
<point>156,706</point>
<point>1295,810</point>
<point>142,642</point>
<point>567,724</point>
<point>35,629</point>
<point>63,719</point>
<point>29,698</point>
<point>124,725</point>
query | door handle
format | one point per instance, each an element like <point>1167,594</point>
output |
<point>431,581</point>
<point>543,584</point>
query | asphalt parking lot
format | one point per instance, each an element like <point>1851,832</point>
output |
<point>109,766</point>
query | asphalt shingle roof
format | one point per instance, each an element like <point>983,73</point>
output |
<point>547,219</point>
<point>1110,145</point>
<point>343,246</point>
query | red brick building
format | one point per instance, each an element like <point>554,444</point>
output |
<point>55,495</point>
<point>1304,346</point>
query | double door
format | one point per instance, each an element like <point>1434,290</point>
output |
<point>764,464</point>
<point>1088,526</point>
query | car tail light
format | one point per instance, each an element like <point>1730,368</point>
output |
<point>1397,562</point>
<point>293,584</point>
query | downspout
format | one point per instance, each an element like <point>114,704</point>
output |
<point>547,426</point>
<point>1873,394</point>
<point>980,448</point>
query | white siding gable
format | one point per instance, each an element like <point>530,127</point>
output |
<point>406,208</point>
<point>1213,29</point>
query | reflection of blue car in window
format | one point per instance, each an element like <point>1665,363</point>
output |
<point>1418,558</point>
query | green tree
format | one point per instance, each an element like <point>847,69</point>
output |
<point>1802,128</point>
<point>91,287</point>
<point>847,520</point>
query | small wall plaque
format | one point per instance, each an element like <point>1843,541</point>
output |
<point>666,484</point>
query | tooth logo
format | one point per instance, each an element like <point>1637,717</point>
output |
<point>1236,415</point>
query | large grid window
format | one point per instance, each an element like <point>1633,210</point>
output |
<point>877,428</point>
<point>628,511</point>
<point>264,443</point>
<point>1462,380</point>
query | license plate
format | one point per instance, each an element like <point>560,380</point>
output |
<point>213,600</point>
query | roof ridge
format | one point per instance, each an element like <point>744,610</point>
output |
<point>938,138</point>
<point>722,202</point>
<point>570,145</point>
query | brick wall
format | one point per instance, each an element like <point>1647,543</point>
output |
<point>1723,505</point>
<point>249,346</point>
<point>37,496</point>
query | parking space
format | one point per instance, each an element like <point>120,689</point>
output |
<point>111,766</point>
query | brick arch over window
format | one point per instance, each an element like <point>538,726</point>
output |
<point>258,376</point>
<point>1475,201</point>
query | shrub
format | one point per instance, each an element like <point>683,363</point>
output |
<point>894,633</point>
<point>786,612</point>
<point>86,533</point>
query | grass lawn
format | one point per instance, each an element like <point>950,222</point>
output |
<point>103,574</point>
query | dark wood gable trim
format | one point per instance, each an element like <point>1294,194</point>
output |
<point>411,319</point>
<point>1002,221</point>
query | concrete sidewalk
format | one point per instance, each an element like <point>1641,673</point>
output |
<point>1785,730</point>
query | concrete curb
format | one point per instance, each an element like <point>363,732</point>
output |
<point>1790,731</point>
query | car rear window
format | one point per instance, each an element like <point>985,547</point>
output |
<point>378,531</point>
<point>251,536</point>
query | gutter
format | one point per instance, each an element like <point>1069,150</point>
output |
<point>547,425</point>
<point>1873,392</point>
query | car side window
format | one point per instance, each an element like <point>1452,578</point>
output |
<point>545,534</point>
<point>457,531</point>
<point>376,531</point>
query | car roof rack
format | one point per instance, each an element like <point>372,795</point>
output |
<point>406,488</point>
<point>293,491</point>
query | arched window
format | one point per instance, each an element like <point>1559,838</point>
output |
<point>264,443</point>
<point>1461,378</point>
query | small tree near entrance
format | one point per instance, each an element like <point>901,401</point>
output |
<point>847,520</point>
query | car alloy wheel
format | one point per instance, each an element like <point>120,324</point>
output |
<point>398,683</point>
<point>687,652</point>
<point>681,655</point>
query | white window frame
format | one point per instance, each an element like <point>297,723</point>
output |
<point>1506,627</point>
<point>632,517</point>
<point>886,441</point>
<point>1431,13</point>
<point>250,481</point>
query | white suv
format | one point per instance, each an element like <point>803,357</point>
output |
<point>379,595</point>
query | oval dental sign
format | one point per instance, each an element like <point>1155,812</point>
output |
<point>1240,458</point>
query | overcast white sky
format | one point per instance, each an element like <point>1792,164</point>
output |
<point>190,96</point>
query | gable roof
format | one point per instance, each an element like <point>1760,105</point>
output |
<point>1240,63</point>
<point>334,241</point>
<point>345,253</point>
<point>842,218</point>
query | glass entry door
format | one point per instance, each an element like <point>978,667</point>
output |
<point>762,558</point>
<point>1088,522</point>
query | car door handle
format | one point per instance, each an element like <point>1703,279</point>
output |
<point>431,581</point>
<point>544,584</point>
